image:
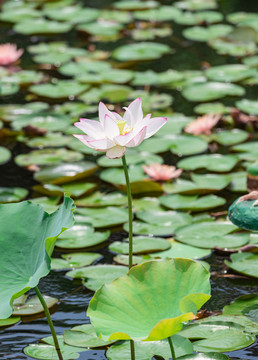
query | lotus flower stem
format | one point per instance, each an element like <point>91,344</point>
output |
<point>130,212</point>
<point>172,348</point>
<point>50,323</point>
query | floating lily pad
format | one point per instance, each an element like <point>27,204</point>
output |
<point>229,72</point>
<point>89,66</point>
<point>9,88</point>
<point>62,89</point>
<point>73,14</point>
<point>135,5</point>
<point>164,218</point>
<point>212,162</point>
<point>244,263</point>
<point>81,236</point>
<point>231,137</point>
<point>193,203</point>
<point>141,245</point>
<point>196,18</point>
<point>46,121</point>
<point>218,337</point>
<point>205,356</point>
<point>152,101</point>
<point>194,5</point>
<point>41,26</point>
<point>5,155</point>
<point>74,260</point>
<point>102,28</point>
<point>48,157</point>
<point>122,259</point>
<point>248,106</point>
<point>200,33</point>
<point>102,217</point>
<point>32,306</point>
<point>146,203</point>
<point>49,140</point>
<point>211,108</point>
<point>208,91</point>
<point>66,172</point>
<point>115,93</point>
<point>238,182</point>
<point>174,125</point>
<point>19,14</point>
<point>48,352</point>
<point>145,350</point>
<point>183,145</point>
<point>175,303</point>
<point>10,321</point>
<point>133,157</point>
<point>95,276</point>
<point>98,199</point>
<point>84,336</point>
<point>244,305</point>
<point>140,51</point>
<point>116,176</point>
<point>163,13</point>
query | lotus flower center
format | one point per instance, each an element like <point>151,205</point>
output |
<point>123,127</point>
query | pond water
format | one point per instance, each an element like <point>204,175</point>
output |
<point>73,297</point>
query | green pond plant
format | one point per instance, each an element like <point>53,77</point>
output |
<point>27,240</point>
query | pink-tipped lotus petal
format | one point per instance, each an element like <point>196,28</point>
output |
<point>138,138</point>
<point>91,127</point>
<point>9,54</point>
<point>110,127</point>
<point>134,113</point>
<point>101,144</point>
<point>160,172</point>
<point>123,140</point>
<point>153,125</point>
<point>84,140</point>
<point>116,152</point>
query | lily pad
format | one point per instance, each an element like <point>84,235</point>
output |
<point>74,260</point>
<point>102,28</point>
<point>162,13</point>
<point>60,90</point>
<point>196,18</point>
<point>244,305</point>
<point>231,137</point>
<point>212,162</point>
<point>32,306</point>
<point>55,139</point>
<point>39,244</point>
<point>145,203</point>
<point>208,91</point>
<point>48,352</point>
<point>45,121</point>
<point>211,108</point>
<point>183,145</point>
<point>248,106</point>
<point>132,158</point>
<point>98,199</point>
<point>173,304</point>
<point>193,203</point>
<point>140,51</point>
<point>229,72</point>
<point>95,276</point>
<point>200,33</point>
<point>194,5</point>
<point>5,155</point>
<point>116,176</point>
<point>135,5</point>
<point>10,321</point>
<point>41,26</point>
<point>81,236</point>
<point>244,263</point>
<point>141,245</point>
<point>142,228</point>
<point>102,217</point>
<point>73,14</point>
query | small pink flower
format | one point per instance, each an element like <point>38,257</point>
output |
<point>160,172</point>
<point>9,54</point>
<point>113,133</point>
<point>202,125</point>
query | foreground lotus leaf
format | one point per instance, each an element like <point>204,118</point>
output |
<point>145,350</point>
<point>171,290</point>
<point>244,214</point>
<point>21,267</point>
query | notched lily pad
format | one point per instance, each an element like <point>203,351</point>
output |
<point>32,306</point>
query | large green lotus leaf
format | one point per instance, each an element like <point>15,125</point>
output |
<point>174,125</point>
<point>10,321</point>
<point>117,176</point>
<point>207,91</point>
<point>81,236</point>
<point>73,14</point>
<point>181,287</point>
<point>244,214</point>
<point>22,266</point>
<point>102,217</point>
<point>229,72</point>
<point>244,263</point>
<point>133,157</point>
<point>5,155</point>
<point>62,89</point>
<point>140,51</point>
<point>45,121</point>
<point>248,106</point>
<point>238,181</point>
<point>41,26</point>
<point>249,325</point>
<point>231,137</point>
<point>212,162</point>
<point>99,199</point>
<point>135,5</point>
<point>66,172</point>
<point>141,245</point>
<point>218,337</point>
<point>182,250</point>
<point>246,305</point>
<point>200,33</point>
<point>74,260</point>
<point>183,145</point>
<point>32,306</point>
<point>190,18</point>
<point>200,184</point>
<point>191,202</point>
<point>163,13</point>
<point>95,276</point>
<point>84,336</point>
<point>48,352</point>
<point>48,157</point>
<point>205,356</point>
<point>145,350</point>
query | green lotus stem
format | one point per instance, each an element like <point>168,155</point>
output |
<point>50,323</point>
<point>172,348</point>
<point>132,350</point>
<point>130,212</point>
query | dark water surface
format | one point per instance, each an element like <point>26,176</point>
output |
<point>73,298</point>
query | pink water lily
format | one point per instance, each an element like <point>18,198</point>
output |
<point>113,133</point>
<point>9,54</point>
<point>160,172</point>
<point>202,125</point>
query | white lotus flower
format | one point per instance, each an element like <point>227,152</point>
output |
<point>113,133</point>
